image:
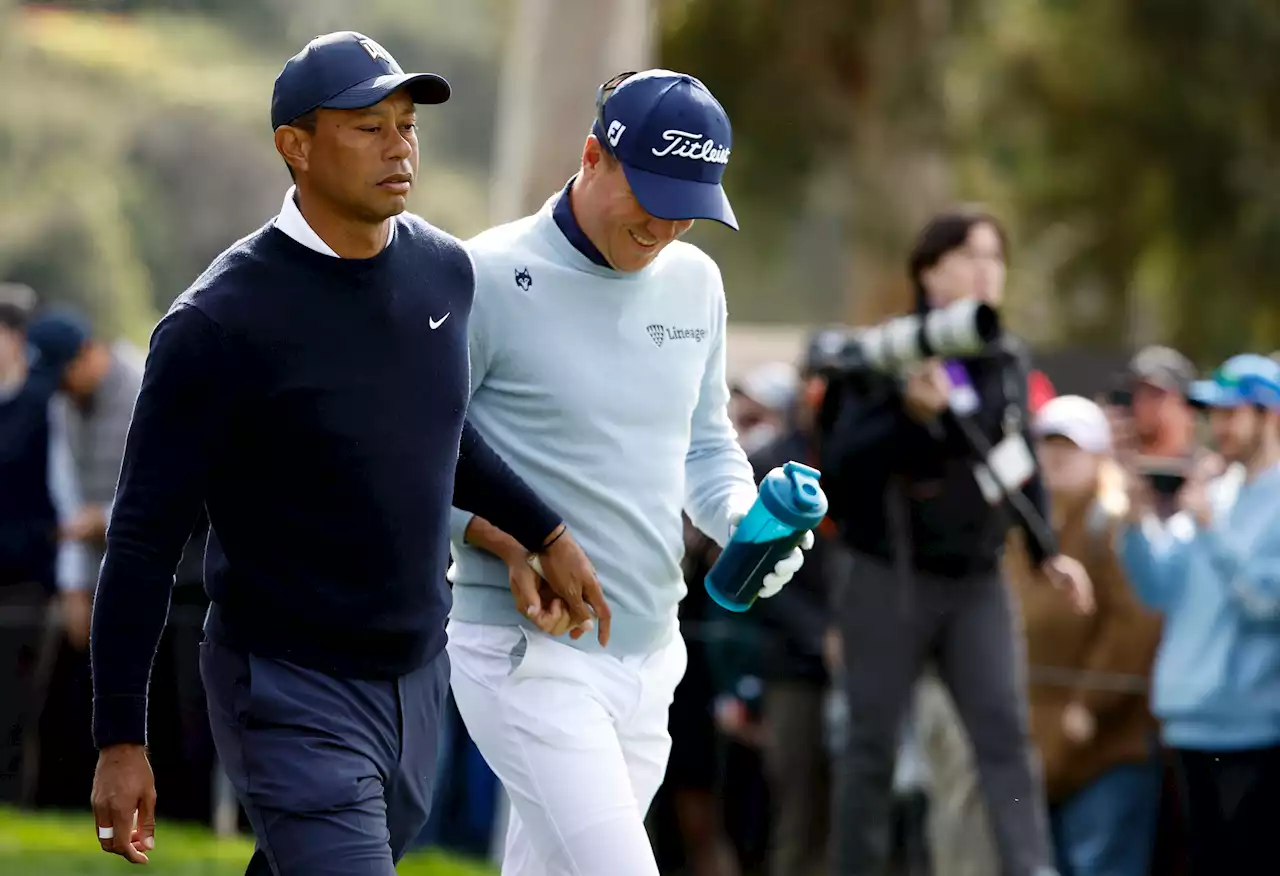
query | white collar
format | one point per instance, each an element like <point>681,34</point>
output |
<point>293,223</point>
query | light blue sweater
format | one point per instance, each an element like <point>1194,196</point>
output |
<point>1217,674</point>
<point>606,392</point>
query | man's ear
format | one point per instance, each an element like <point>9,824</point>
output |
<point>294,146</point>
<point>593,155</point>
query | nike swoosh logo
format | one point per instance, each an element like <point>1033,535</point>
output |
<point>436,323</point>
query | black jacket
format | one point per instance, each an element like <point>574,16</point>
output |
<point>871,446</point>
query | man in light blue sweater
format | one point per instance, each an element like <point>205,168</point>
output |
<point>1213,570</point>
<point>598,372</point>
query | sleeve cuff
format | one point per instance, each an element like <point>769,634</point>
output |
<point>459,520</point>
<point>119,720</point>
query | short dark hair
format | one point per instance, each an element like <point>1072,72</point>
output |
<point>943,233</point>
<point>307,122</point>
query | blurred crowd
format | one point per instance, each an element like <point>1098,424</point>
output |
<point>1139,712</point>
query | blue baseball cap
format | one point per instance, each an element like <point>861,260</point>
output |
<point>345,70</point>
<point>1247,379</point>
<point>673,140</point>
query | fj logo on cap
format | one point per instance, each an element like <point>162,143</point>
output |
<point>615,132</point>
<point>688,145</point>
<point>375,51</point>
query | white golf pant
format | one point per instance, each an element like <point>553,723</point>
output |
<point>579,741</point>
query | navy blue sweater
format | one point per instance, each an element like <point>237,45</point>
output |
<point>315,406</point>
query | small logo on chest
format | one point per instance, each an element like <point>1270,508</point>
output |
<point>524,279</point>
<point>659,334</point>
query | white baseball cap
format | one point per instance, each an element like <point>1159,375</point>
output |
<point>1077,419</point>
<point>773,385</point>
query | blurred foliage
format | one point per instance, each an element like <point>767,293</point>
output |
<point>135,143</point>
<point>1134,148</point>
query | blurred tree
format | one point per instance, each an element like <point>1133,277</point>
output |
<point>1133,147</point>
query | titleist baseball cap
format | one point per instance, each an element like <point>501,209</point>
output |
<point>346,70</point>
<point>673,140</point>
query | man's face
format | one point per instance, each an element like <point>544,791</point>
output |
<point>362,161</point>
<point>1155,410</point>
<point>1068,470</point>
<point>975,270</point>
<point>629,237</point>
<point>755,423</point>
<point>12,347</point>
<point>1237,432</point>
<point>78,378</point>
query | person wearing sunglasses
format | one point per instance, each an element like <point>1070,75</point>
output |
<point>1213,571</point>
<point>598,372</point>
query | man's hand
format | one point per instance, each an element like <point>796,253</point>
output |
<point>1193,498</point>
<point>537,601</point>
<point>570,574</point>
<point>76,607</point>
<point>786,567</point>
<point>89,525</point>
<point>124,802</point>
<point>1069,576</point>
<point>1078,723</point>
<point>928,391</point>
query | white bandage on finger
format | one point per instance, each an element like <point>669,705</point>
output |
<point>106,833</point>
<point>807,542</point>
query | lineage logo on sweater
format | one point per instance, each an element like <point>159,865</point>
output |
<point>659,334</point>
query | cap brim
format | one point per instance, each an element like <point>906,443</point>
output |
<point>1210,394</point>
<point>680,199</point>
<point>423,88</point>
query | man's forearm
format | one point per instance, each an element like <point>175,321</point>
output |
<point>488,488</point>
<point>484,535</point>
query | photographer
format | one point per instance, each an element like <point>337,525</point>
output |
<point>902,474</point>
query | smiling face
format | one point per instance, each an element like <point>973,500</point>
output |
<point>627,235</point>
<point>362,163</point>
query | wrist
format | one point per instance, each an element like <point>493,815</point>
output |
<point>554,536</point>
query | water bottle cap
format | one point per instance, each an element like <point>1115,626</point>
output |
<point>793,495</point>
<point>808,495</point>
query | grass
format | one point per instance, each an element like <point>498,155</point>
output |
<point>63,845</point>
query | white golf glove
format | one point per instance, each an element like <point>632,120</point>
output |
<point>786,568</point>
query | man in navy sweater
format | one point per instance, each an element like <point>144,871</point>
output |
<point>309,390</point>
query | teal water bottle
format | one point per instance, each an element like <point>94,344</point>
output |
<point>790,503</point>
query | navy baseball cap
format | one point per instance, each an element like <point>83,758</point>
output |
<point>345,70</point>
<point>673,140</point>
<point>58,334</point>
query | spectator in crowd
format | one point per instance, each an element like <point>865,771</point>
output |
<point>98,383</point>
<point>38,495</point>
<point>1095,737</point>
<point>926,586</point>
<point>1157,420</point>
<point>1152,420</point>
<point>694,778</point>
<point>1213,571</point>
<point>721,689</point>
<point>792,626</point>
